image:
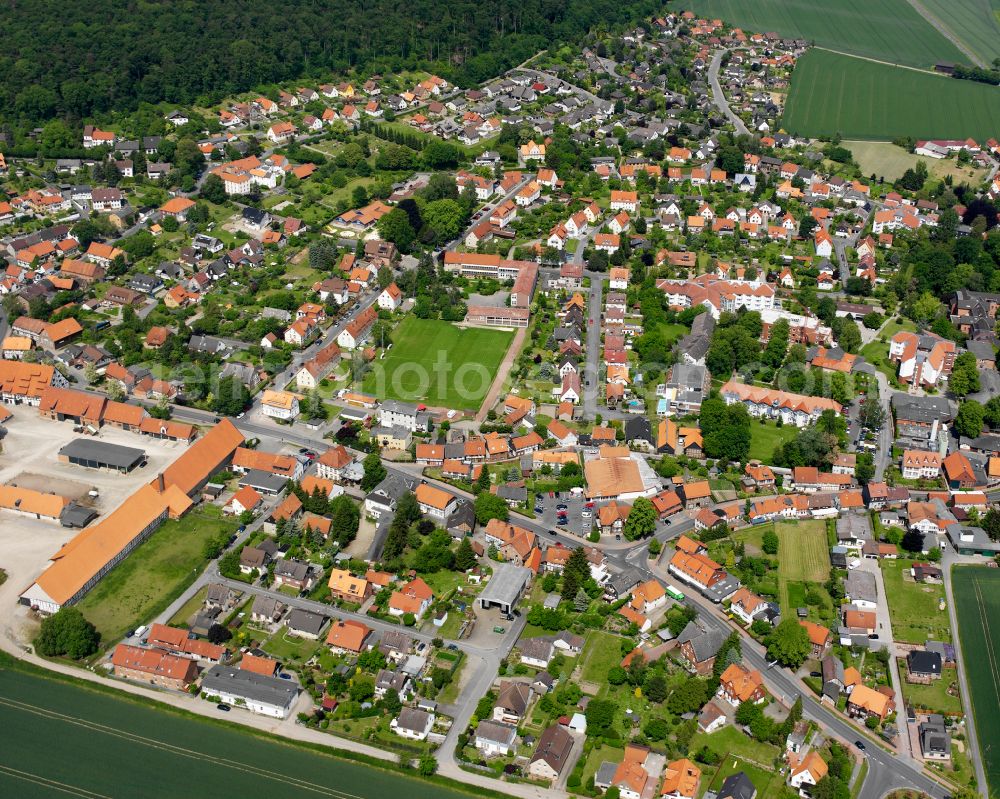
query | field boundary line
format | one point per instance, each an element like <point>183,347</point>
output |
<point>47,782</point>
<point>879,61</point>
<point>947,32</point>
<point>177,750</point>
<point>987,637</point>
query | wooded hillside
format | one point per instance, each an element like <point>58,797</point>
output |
<point>77,58</point>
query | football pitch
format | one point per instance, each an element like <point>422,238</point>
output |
<point>857,99</point>
<point>438,363</point>
<point>977,605</point>
<point>889,30</point>
<point>61,739</point>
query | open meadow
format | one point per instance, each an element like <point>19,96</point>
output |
<point>889,30</point>
<point>976,590</point>
<point>889,161</point>
<point>159,569</point>
<point>438,363</point>
<point>834,94</point>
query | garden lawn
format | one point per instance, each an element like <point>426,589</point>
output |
<point>731,741</point>
<point>154,574</point>
<point>598,755</point>
<point>601,652</point>
<point>766,436</point>
<point>802,551</point>
<point>188,609</point>
<point>285,646</point>
<point>833,94</point>
<point>934,696</point>
<point>877,354</point>
<point>913,607</point>
<point>768,783</point>
<point>438,363</point>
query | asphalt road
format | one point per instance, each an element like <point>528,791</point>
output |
<point>886,770</point>
<point>719,97</point>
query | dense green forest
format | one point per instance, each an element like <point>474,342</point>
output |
<point>81,58</point>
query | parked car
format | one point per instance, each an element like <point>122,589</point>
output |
<point>223,707</point>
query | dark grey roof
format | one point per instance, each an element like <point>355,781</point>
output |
<point>74,515</point>
<point>737,786</point>
<point>249,685</point>
<point>103,453</point>
<point>263,481</point>
<point>920,661</point>
<point>496,732</point>
<point>705,643</point>
<point>412,719</point>
<point>306,622</point>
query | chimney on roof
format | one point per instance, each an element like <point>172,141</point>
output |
<point>160,485</point>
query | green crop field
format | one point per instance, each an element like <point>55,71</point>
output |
<point>836,94</point>
<point>889,30</point>
<point>110,746</point>
<point>157,571</point>
<point>976,590</point>
<point>973,22</point>
<point>438,363</point>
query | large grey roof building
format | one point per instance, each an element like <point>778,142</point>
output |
<point>267,696</point>
<point>101,455</point>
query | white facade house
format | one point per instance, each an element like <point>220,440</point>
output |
<point>280,405</point>
<point>391,298</point>
<point>494,739</point>
<point>266,696</point>
<point>413,724</point>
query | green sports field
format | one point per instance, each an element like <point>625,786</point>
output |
<point>62,740</point>
<point>977,604</point>
<point>438,363</point>
<point>858,99</point>
<point>889,30</point>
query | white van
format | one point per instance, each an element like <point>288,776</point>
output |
<point>141,631</point>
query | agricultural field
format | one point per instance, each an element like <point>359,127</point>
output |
<point>888,30</point>
<point>976,590</point>
<point>973,22</point>
<point>834,94</point>
<point>913,607</point>
<point>157,571</point>
<point>885,160</point>
<point>203,757</point>
<point>438,363</point>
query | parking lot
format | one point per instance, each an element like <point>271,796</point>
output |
<point>30,458</point>
<point>574,506</point>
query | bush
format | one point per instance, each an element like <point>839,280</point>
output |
<point>67,632</point>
